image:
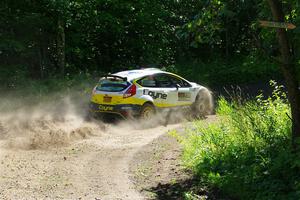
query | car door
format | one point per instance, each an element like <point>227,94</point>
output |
<point>158,92</point>
<point>169,91</point>
<point>184,91</point>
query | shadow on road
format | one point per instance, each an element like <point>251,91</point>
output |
<point>177,190</point>
<point>172,190</point>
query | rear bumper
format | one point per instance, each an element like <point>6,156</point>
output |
<point>124,110</point>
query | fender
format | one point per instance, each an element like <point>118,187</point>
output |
<point>146,98</point>
<point>197,90</point>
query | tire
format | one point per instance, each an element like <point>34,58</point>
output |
<point>147,111</point>
<point>203,104</point>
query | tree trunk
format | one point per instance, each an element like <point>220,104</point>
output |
<point>289,70</point>
<point>61,46</point>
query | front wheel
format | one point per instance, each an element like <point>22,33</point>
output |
<point>147,111</point>
<point>203,104</point>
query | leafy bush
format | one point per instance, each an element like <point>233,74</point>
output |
<point>247,153</point>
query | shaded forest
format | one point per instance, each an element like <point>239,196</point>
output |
<point>214,41</point>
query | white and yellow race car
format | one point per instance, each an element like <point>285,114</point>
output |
<point>143,92</point>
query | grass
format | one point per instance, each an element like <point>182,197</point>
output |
<point>248,153</point>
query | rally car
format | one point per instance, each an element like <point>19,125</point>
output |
<point>143,92</point>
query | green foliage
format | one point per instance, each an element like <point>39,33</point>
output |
<point>100,35</point>
<point>213,42</point>
<point>247,154</point>
<point>242,69</point>
<point>222,26</point>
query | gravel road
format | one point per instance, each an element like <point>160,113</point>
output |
<point>70,159</point>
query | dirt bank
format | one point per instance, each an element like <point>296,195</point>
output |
<point>158,173</point>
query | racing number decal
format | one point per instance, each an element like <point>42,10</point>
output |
<point>155,95</point>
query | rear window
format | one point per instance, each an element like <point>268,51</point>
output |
<point>112,85</point>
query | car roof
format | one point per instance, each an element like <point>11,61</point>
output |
<point>138,73</point>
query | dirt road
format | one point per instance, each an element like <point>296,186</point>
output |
<point>91,162</point>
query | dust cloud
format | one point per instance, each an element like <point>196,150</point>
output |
<point>45,124</point>
<point>60,120</point>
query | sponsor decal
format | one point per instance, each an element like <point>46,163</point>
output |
<point>155,95</point>
<point>105,108</point>
<point>184,96</point>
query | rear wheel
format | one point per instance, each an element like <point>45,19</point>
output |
<point>147,111</point>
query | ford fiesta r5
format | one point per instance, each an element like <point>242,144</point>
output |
<point>146,91</point>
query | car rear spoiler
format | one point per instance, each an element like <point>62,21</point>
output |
<point>115,76</point>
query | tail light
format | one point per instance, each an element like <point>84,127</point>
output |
<point>130,91</point>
